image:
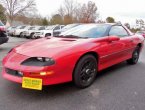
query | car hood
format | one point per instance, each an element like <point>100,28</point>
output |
<point>48,47</point>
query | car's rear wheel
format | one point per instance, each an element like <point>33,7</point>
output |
<point>135,56</point>
<point>48,34</point>
<point>85,71</point>
<point>31,35</point>
<point>21,34</point>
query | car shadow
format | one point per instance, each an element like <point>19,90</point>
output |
<point>112,69</point>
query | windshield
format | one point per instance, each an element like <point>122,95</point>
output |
<point>41,28</point>
<point>22,27</point>
<point>31,28</point>
<point>50,27</point>
<point>18,27</point>
<point>87,30</point>
<point>14,27</point>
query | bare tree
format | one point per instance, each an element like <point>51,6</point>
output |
<point>140,23</point>
<point>17,7</point>
<point>89,12</point>
<point>72,11</point>
<point>2,14</point>
<point>67,11</point>
<point>69,7</point>
<point>61,11</point>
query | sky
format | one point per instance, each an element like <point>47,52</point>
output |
<point>121,10</point>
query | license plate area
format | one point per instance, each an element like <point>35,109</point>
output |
<point>32,83</point>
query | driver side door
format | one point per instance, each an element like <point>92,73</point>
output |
<point>120,50</point>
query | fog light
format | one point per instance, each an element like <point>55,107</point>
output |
<point>46,73</point>
<point>20,73</point>
<point>42,73</point>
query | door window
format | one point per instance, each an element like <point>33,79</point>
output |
<point>57,28</point>
<point>118,31</point>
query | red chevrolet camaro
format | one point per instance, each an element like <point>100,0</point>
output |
<point>75,55</point>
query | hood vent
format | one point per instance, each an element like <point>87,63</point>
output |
<point>71,40</point>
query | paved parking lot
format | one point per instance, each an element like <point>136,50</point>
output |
<point>121,87</point>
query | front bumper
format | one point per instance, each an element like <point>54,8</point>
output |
<point>3,40</point>
<point>46,80</point>
<point>13,60</point>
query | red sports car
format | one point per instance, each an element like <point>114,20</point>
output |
<point>76,55</point>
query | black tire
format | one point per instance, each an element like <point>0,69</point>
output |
<point>27,37</point>
<point>48,34</point>
<point>135,56</point>
<point>85,71</point>
<point>31,35</point>
<point>34,37</point>
<point>21,35</point>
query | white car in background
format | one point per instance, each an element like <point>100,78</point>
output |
<point>31,31</point>
<point>65,28</point>
<point>69,26</point>
<point>49,31</point>
<point>10,30</point>
<point>19,30</point>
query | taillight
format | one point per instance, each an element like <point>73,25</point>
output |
<point>2,29</point>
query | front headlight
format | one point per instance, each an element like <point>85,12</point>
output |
<point>38,61</point>
<point>44,59</point>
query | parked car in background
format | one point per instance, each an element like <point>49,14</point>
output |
<point>76,55</point>
<point>27,33</point>
<point>49,31</point>
<point>2,26</point>
<point>31,31</point>
<point>65,28</point>
<point>19,30</point>
<point>141,33</point>
<point>10,30</point>
<point>3,36</point>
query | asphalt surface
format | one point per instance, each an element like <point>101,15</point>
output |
<point>121,87</point>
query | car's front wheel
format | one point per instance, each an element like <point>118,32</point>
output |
<point>31,35</point>
<point>85,71</point>
<point>135,56</point>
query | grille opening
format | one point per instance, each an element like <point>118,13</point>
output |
<point>13,72</point>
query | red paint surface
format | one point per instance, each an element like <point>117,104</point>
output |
<point>66,52</point>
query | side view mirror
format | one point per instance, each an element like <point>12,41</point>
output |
<point>113,38</point>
